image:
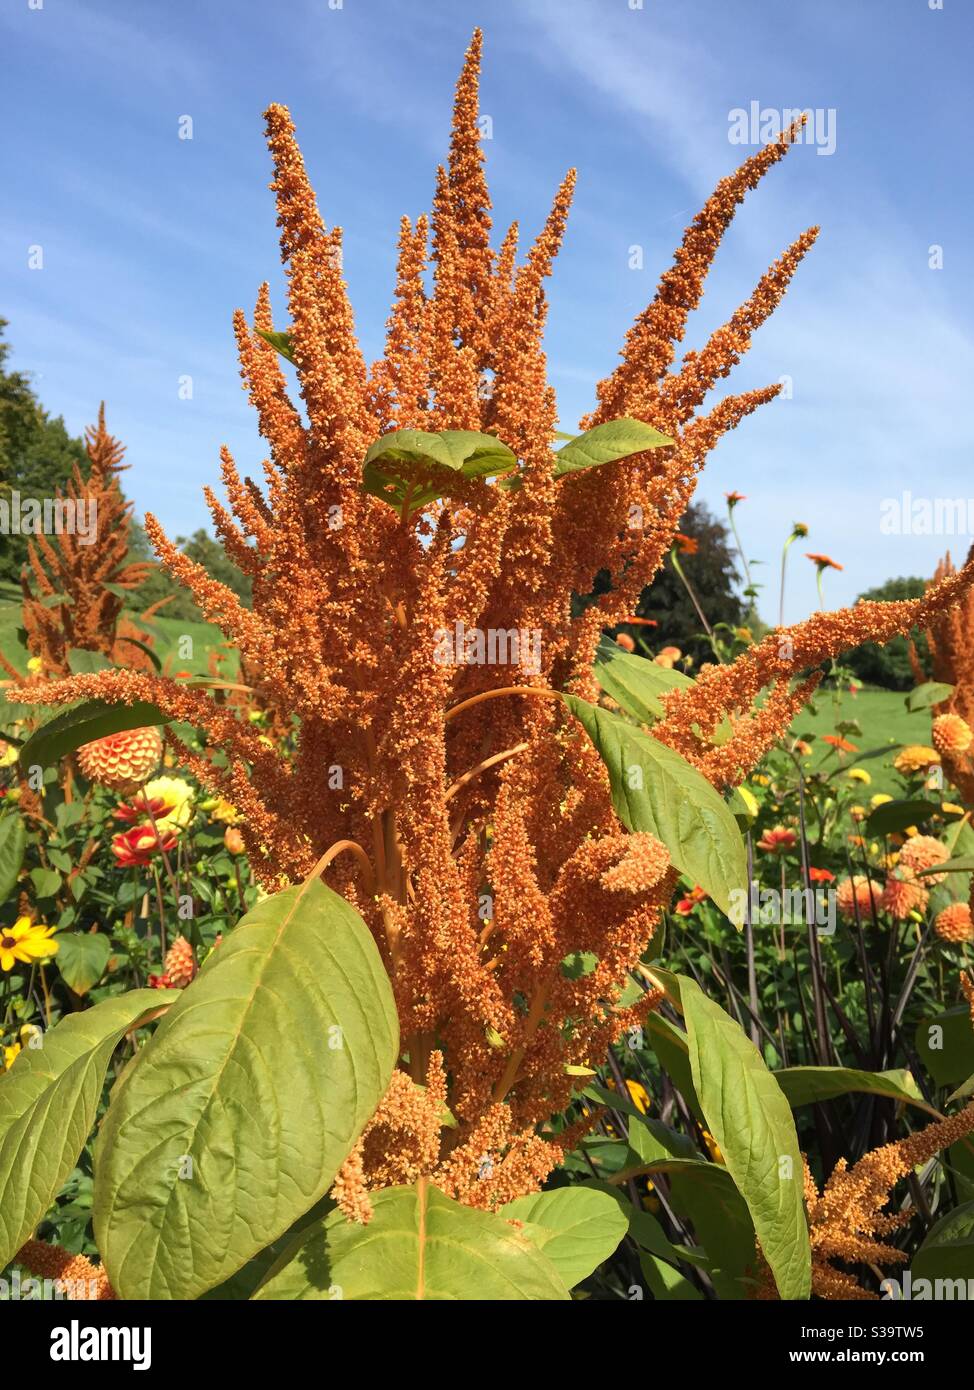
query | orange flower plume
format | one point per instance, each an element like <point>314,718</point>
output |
<point>476,836</point>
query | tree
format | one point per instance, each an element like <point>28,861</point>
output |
<point>37,454</point>
<point>889,666</point>
<point>711,571</point>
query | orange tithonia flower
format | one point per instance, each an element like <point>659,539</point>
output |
<point>122,761</point>
<point>625,642</point>
<point>903,894</point>
<point>857,892</point>
<point>954,923</point>
<point>951,734</point>
<point>180,963</point>
<point>923,852</point>
<point>823,562</point>
<point>778,840</point>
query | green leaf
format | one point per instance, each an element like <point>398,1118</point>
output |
<point>705,1195</point>
<point>634,683</point>
<point>85,663</point>
<point>280,341</point>
<point>258,1084</point>
<point>927,694</point>
<point>578,964</point>
<point>947,1251</point>
<point>83,724</point>
<point>576,1227</point>
<point>751,1121</point>
<point>806,1085</point>
<point>617,439</point>
<point>892,816</point>
<point>48,1103</point>
<point>415,467</point>
<point>82,958</point>
<point>666,1284</point>
<point>13,847</point>
<point>46,882</point>
<point>54,600</point>
<point>655,790</point>
<point>946,1046</point>
<point>420,1244</point>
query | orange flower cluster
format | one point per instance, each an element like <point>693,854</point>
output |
<point>74,1275</point>
<point>85,571</point>
<point>485,846</point>
<point>950,637</point>
<point>846,1219</point>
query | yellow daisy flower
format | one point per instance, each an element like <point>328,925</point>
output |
<point>25,941</point>
<point>859,774</point>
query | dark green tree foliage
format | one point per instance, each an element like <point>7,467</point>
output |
<point>36,453</point>
<point>889,666</point>
<point>714,576</point>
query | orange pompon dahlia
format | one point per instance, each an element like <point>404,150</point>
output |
<point>954,924</point>
<point>122,761</point>
<point>857,896</point>
<point>179,966</point>
<point>903,895</point>
<point>923,852</point>
<point>951,734</point>
<point>914,758</point>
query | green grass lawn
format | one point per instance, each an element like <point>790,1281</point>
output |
<point>171,646</point>
<point>885,722</point>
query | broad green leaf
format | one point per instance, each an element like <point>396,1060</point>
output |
<point>947,1251</point>
<point>13,846</point>
<point>806,1085</point>
<point>670,1045</point>
<point>945,1044</point>
<point>83,724</point>
<point>646,1230</point>
<point>927,694</point>
<point>635,683</point>
<point>247,1100</point>
<point>414,467</point>
<point>46,882</point>
<point>705,1195</point>
<point>85,663</point>
<point>892,816</point>
<point>751,1121</point>
<point>666,1284</point>
<point>48,1105</point>
<point>419,1244</point>
<point>82,957</point>
<point>655,790</point>
<point>578,964</point>
<point>617,439</point>
<point>577,1228</point>
<point>280,341</point>
<point>54,600</point>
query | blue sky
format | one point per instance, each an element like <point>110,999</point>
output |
<point>149,241</point>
